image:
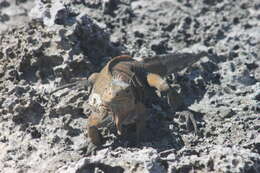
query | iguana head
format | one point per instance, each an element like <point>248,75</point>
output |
<point>111,86</point>
<point>119,91</point>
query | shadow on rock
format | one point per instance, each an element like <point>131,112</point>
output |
<point>30,112</point>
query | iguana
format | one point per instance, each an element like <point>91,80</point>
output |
<point>119,90</point>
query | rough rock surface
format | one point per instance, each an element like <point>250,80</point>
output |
<point>14,13</point>
<point>48,43</point>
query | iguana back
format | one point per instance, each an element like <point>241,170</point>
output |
<point>170,63</point>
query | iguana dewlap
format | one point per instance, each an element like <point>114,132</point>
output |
<point>119,89</point>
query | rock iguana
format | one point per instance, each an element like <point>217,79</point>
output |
<point>119,90</point>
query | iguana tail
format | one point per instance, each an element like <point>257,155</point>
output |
<point>170,63</point>
<point>75,85</point>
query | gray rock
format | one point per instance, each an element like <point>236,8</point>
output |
<point>218,159</point>
<point>65,41</point>
<point>121,160</point>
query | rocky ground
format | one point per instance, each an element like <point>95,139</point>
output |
<point>48,43</point>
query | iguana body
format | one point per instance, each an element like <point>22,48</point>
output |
<point>119,89</point>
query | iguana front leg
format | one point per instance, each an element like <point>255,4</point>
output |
<point>94,135</point>
<point>97,120</point>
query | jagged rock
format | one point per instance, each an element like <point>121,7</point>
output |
<point>218,159</point>
<point>121,160</point>
<point>64,41</point>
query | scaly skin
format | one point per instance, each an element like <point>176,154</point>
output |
<point>119,89</point>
